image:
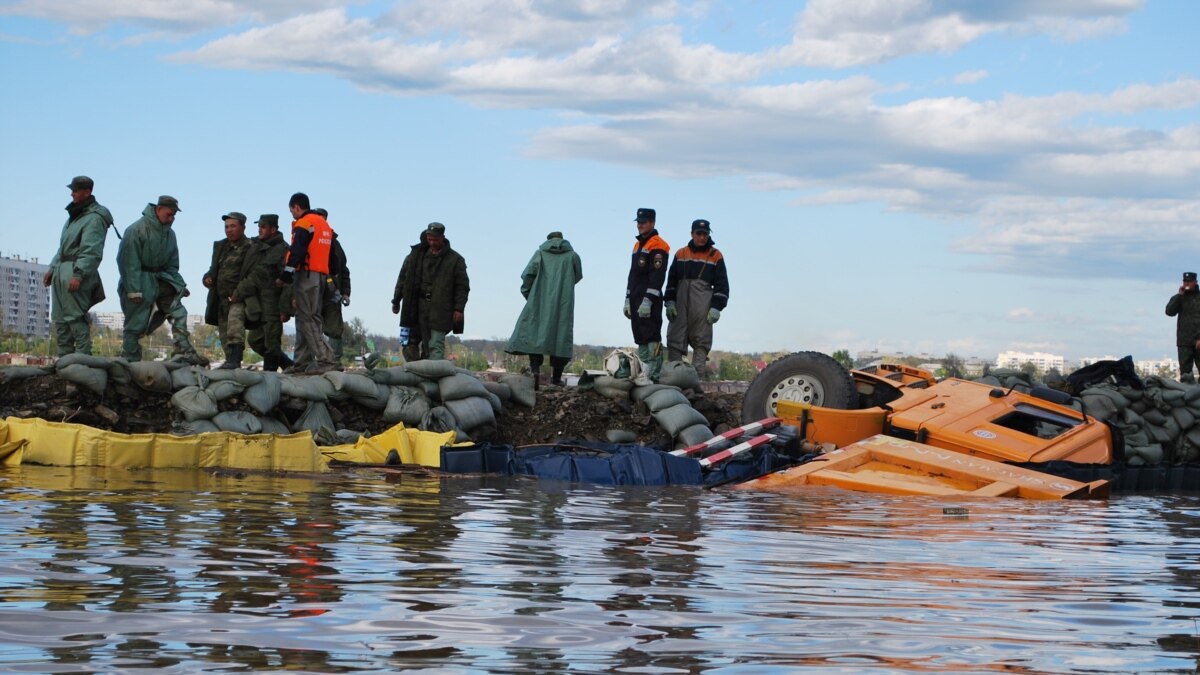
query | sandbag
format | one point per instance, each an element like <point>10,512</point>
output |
<point>270,425</point>
<point>407,405</point>
<point>1117,397</point>
<point>438,420</point>
<point>1174,397</point>
<point>503,391</point>
<point>315,418</point>
<point>1192,395</point>
<point>76,358</point>
<point>119,372</point>
<point>264,396</point>
<point>378,399</point>
<point>94,380</point>
<point>307,388</point>
<point>640,394</point>
<point>697,433</point>
<point>248,378</point>
<point>431,390</point>
<point>1155,418</point>
<point>522,389</point>
<point>496,403</point>
<point>612,387</point>
<point>431,369</point>
<point>395,375</point>
<point>224,389</point>
<point>459,386</point>
<point>1099,406</point>
<point>679,417</point>
<point>182,377</point>
<point>665,398</point>
<point>219,375</point>
<point>679,374</point>
<point>347,436</point>
<point>352,383</point>
<point>193,427</point>
<point>620,436</point>
<point>195,403</point>
<point>471,413</point>
<point>238,421</point>
<point>16,373</point>
<point>151,376</point>
<point>1149,454</point>
<point>1183,417</point>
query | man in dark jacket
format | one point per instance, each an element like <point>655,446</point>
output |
<point>74,274</point>
<point>697,291</point>
<point>431,294</point>
<point>337,293</point>
<point>269,250</point>
<point>232,281</point>
<point>643,291</point>
<point>1186,305</point>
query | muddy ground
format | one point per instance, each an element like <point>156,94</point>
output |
<point>561,413</point>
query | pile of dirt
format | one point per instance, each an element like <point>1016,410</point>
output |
<point>565,413</point>
<point>561,413</point>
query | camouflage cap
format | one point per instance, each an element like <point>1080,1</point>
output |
<point>268,220</point>
<point>554,235</point>
<point>240,217</point>
<point>81,183</point>
<point>169,202</point>
<point>436,228</point>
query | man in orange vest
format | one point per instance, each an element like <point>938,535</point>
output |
<point>306,267</point>
<point>643,292</point>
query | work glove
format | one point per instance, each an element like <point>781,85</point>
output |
<point>345,301</point>
<point>644,309</point>
<point>671,311</point>
<point>628,312</point>
<point>714,315</point>
<point>288,275</point>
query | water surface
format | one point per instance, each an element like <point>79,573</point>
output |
<point>183,572</point>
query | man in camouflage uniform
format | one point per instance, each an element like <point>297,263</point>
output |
<point>433,287</point>
<point>233,281</point>
<point>74,275</point>
<point>1186,305</point>
<point>266,337</point>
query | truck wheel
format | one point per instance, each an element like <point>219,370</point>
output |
<point>805,377</point>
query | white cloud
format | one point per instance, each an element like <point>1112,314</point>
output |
<point>89,16</point>
<point>970,77</point>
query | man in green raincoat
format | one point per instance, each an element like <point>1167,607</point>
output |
<point>74,275</point>
<point>151,288</point>
<point>547,324</point>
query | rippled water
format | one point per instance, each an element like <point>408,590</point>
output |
<point>183,572</point>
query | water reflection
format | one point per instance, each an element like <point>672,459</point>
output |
<point>113,571</point>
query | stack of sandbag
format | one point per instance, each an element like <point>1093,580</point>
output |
<point>1159,423</point>
<point>674,413</point>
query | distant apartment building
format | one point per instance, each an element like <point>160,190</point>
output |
<point>875,357</point>
<point>1041,360</point>
<point>1164,367</point>
<point>24,301</point>
<point>112,320</point>
<point>974,367</point>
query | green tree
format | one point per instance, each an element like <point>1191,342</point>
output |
<point>1029,370</point>
<point>952,366</point>
<point>736,367</point>
<point>843,357</point>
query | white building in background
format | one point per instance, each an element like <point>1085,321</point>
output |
<point>24,300</point>
<point>1042,360</point>
<point>1166,366</point>
<point>112,320</point>
<point>1089,360</point>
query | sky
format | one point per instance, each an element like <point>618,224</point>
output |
<point>903,175</point>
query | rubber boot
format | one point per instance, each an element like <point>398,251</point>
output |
<point>269,365</point>
<point>557,364</point>
<point>655,362</point>
<point>535,369</point>
<point>233,357</point>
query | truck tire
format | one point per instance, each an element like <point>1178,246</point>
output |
<point>806,377</point>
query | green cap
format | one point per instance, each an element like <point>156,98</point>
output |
<point>169,202</point>
<point>268,220</point>
<point>554,235</point>
<point>81,183</point>
<point>436,228</point>
<point>240,217</point>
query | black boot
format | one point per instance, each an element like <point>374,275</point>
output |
<point>535,368</point>
<point>557,365</point>
<point>284,362</point>
<point>233,357</point>
<point>269,365</point>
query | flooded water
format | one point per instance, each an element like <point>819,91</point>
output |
<point>183,572</point>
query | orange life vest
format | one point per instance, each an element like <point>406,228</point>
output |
<point>321,243</point>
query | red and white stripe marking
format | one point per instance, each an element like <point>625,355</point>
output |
<point>738,449</point>
<point>729,436</point>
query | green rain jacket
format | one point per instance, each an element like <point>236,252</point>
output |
<point>148,253</point>
<point>80,249</point>
<point>547,324</point>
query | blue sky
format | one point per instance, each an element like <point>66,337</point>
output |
<point>914,175</point>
